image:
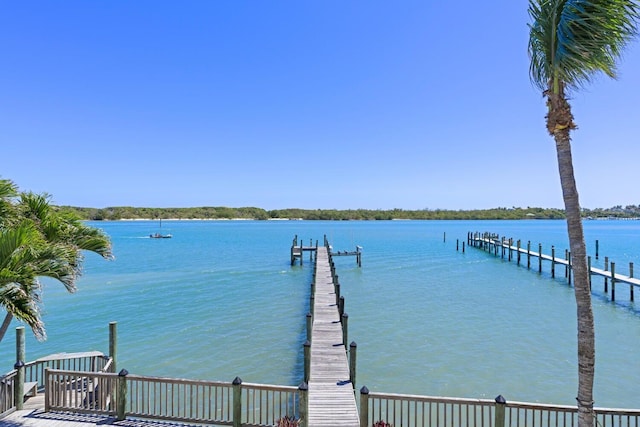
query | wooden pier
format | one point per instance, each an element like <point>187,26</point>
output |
<point>330,380</point>
<point>298,249</point>
<point>507,249</point>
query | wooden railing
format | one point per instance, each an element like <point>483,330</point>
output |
<point>427,411</point>
<point>34,372</point>
<point>170,399</point>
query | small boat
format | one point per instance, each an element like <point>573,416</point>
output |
<point>160,236</point>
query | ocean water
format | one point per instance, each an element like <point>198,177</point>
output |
<point>220,299</point>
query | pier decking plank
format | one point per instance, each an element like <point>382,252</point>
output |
<point>331,397</point>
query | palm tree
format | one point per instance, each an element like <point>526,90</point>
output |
<point>37,240</point>
<point>570,42</point>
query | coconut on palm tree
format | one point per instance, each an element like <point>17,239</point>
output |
<point>570,42</point>
<point>37,240</point>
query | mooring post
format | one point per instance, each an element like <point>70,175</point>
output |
<point>341,306</point>
<point>606,268</point>
<point>462,247</point>
<point>303,404</point>
<point>337,288</point>
<point>310,251</point>
<point>500,411</point>
<point>613,281</point>
<point>529,254</point>
<point>113,344</point>
<point>510,248</point>
<point>121,403</point>
<point>566,266</point>
<point>597,248</point>
<point>307,360</point>
<point>345,328</point>
<point>352,363</point>
<point>630,285</point>
<point>237,402</point>
<point>539,257</point>
<point>19,367</point>
<point>518,255</point>
<point>457,245</point>
<point>311,303</point>
<point>444,237</point>
<point>553,261</point>
<point>309,325</point>
<point>364,407</point>
<point>569,267</point>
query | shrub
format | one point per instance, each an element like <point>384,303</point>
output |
<point>381,424</point>
<point>288,421</point>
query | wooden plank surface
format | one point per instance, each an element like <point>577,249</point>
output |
<point>331,397</point>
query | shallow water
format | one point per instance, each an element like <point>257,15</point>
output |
<point>220,299</point>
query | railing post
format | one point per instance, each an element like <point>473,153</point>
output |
<point>341,306</point>
<point>303,404</point>
<point>19,366</point>
<point>364,407</point>
<point>122,394</point>
<point>352,363</point>
<point>237,402</point>
<point>48,390</point>
<point>113,344</point>
<point>500,411</point>
<point>307,361</point>
<point>345,334</point>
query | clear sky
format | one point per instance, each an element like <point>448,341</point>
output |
<point>310,104</point>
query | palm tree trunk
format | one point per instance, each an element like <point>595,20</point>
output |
<point>5,325</point>
<point>586,332</point>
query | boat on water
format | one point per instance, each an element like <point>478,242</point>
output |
<point>160,236</point>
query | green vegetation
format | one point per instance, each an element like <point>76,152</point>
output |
<point>39,240</point>
<point>119,213</point>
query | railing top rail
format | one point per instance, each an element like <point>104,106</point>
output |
<point>457,400</point>
<point>270,387</point>
<point>178,380</point>
<point>65,356</point>
<point>82,373</point>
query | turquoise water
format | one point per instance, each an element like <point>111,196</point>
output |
<point>220,300</point>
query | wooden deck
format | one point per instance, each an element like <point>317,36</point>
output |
<point>331,397</point>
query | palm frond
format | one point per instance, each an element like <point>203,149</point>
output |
<point>573,40</point>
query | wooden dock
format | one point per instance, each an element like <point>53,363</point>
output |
<point>331,395</point>
<point>507,249</point>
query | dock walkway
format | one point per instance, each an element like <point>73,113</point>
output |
<point>332,401</point>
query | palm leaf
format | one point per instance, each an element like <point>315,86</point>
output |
<point>573,40</point>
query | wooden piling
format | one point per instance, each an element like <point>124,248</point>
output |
<point>553,261</point>
<point>606,268</point>
<point>613,281</point>
<point>631,286</point>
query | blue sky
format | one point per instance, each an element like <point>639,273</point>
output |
<point>280,104</point>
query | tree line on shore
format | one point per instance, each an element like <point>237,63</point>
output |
<point>253,213</point>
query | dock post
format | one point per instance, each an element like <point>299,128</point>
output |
<point>500,411</point>
<point>539,257</point>
<point>341,306</point>
<point>597,248</point>
<point>518,254</point>
<point>631,276</point>
<point>510,248</point>
<point>444,237</point>
<point>309,325</point>
<point>312,303</point>
<point>303,404</point>
<point>113,344</point>
<point>310,252</point>
<point>566,266</point>
<point>569,267</point>
<point>364,407</point>
<point>529,254</point>
<point>359,256</point>
<point>613,281</point>
<point>337,288</point>
<point>352,363</point>
<point>553,261</point>
<point>307,361</point>
<point>606,268</point>
<point>301,254</point>
<point>462,247</point>
<point>589,270</point>
<point>502,246</point>
<point>345,328</point>
<point>19,367</point>
<point>121,403</point>
<point>457,245</point>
